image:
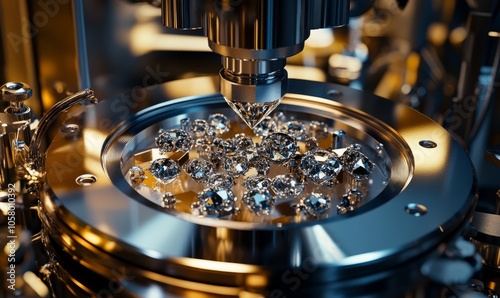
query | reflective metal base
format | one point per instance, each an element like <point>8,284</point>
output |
<point>94,218</point>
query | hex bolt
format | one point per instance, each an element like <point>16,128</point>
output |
<point>16,93</point>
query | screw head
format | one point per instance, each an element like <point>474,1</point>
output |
<point>15,92</point>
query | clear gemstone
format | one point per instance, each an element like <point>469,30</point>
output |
<point>221,181</point>
<point>199,169</point>
<point>319,130</point>
<point>236,165</point>
<point>258,181</point>
<point>136,174</point>
<point>253,113</point>
<point>199,128</point>
<point>316,204</point>
<point>219,123</point>
<point>243,142</point>
<point>357,164</point>
<point>202,147</point>
<point>168,200</point>
<point>321,166</point>
<point>297,129</point>
<point>217,201</point>
<point>287,185</point>
<point>280,147</point>
<point>265,127</point>
<point>221,147</point>
<point>259,200</point>
<point>174,140</point>
<point>165,170</point>
<point>260,163</point>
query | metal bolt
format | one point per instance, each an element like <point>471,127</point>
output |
<point>16,93</point>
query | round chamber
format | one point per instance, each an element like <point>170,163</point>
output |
<point>122,206</point>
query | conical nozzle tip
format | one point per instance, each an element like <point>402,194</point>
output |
<point>252,113</point>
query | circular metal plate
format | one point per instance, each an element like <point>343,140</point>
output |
<point>429,194</point>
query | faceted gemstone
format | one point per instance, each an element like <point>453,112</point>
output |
<point>287,185</point>
<point>316,204</point>
<point>199,128</point>
<point>252,113</point>
<point>261,164</point>
<point>136,174</point>
<point>297,129</point>
<point>243,142</point>
<point>259,200</point>
<point>221,147</point>
<point>174,140</point>
<point>258,181</point>
<point>265,127</point>
<point>168,200</point>
<point>219,123</point>
<point>344,205</point>
<point>221,181</point>
<point>280,147</point>
<point>165,170</point>
<point>235,165</point>
<point>217,201</point>
<point>199,169</point>
<point>318,130</point>
<point>321,166</point>
<point>185,124</point>
<point>356,163</point>
<point>202,147</point>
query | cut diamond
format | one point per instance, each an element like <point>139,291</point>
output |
<point>221,181</point>
<point>259,200</point>
<point>297,129</point>
<point>287,185</point>
<point>321,166</point>
<point>265,127</point>
<point>316,204</point>
<point>168,200</point>
<point>199,169</point>
<point>280,147</point>
<point>258,181</point>
<point>260,163</point>
<point>136,174</point>
<point>165,170</point>
<point>174,140</point>
<point>253,113</point>
<point>199,128</point>
<point>236,165</point>
<point>219,123</point>
<point>356,163</point>
<point>217,201</point>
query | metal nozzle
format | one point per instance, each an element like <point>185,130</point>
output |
<point>253,88</point>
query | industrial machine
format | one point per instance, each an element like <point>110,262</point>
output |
<point>249,148</point>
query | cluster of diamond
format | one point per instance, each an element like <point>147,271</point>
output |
<point>222,162</point>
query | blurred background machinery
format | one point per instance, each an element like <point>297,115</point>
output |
<point>439,58</point>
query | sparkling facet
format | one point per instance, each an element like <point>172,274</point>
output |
<point>253,113</point>
<point>265,127</point>
<point>260,163</point>
<point>258,181</point>
<point>311,143</point>
<point>318,130</point>
<point>221,181</point>
<point>168,200</point>
<point>199,128</point>
<point>202,147</point>
<point>174,140</point>
<point>316,204</point>
<point>259,200</point>
<point>221,147</point>
<point>244,142</point>
<point>287,185</point>
<point>297,129</point>
<point>199,169</point>
<point>280,147</point>
<point>165,170</point>
<point>136,174</point>
<point>321,166</point>
<point>357,164</point>
<point>219,123</point>
<point>216,201</point>
<point>236,165</point>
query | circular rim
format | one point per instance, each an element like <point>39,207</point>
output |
<point>378,238</point>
